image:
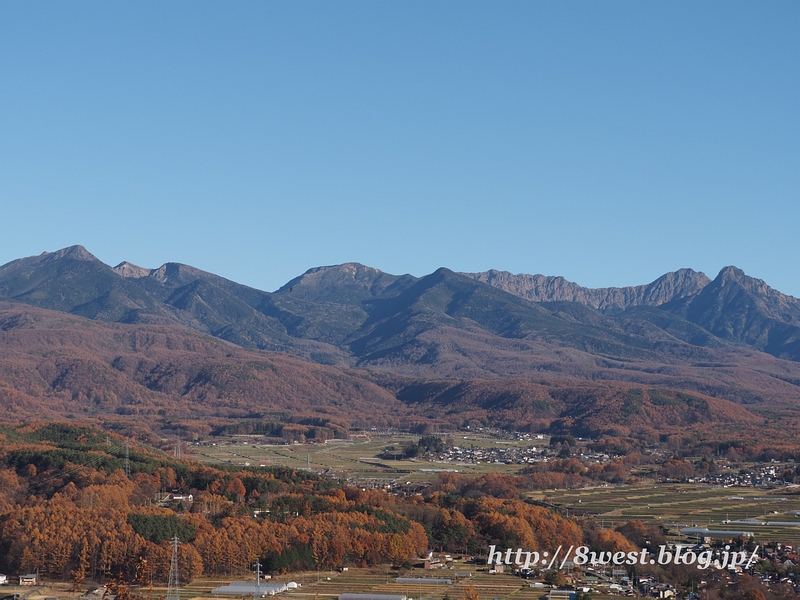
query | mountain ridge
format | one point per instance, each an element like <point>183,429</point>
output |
<point>543,288</point>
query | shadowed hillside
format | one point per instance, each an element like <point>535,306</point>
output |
<point>56,366</point>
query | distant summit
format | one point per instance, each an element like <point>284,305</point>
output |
<point>76,252</point>
<point>127,269</point>
<point>347,282</point>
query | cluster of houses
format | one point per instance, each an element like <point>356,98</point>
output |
<point>765,475</point>
<point>616,582</point>
<point>509,455</point>
<point>780,564</point>
<point>436,560</point>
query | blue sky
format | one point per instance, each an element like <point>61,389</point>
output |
<point>606,142</point>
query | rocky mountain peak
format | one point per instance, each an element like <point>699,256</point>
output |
<point>731,273</point>
<point>336,280</point>
<point>76,252</point>
<point>674,285</point>
<point>126,269</point>
<point>734,276</point>
<point>349,269</point>
<point>172,271</point>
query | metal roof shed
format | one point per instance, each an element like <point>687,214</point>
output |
<point>248,588</point>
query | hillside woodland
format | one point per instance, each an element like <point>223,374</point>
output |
<point>176,381</point>
<point>68,510</point>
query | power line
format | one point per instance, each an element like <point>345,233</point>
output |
<point>65,472</point>
<point>127,460</point>
<point>90,461</point>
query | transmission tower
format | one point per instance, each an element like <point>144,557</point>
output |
<point>178,450</point>
<point>127,459</point>
<point>174,589</point>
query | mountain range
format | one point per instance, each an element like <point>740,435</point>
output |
<point>732,338</point>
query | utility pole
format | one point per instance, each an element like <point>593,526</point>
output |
<point>257,591</point>
<point>127,459</point>
<point>174,589</point>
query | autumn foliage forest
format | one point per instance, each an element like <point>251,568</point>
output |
<point>68,510</point>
